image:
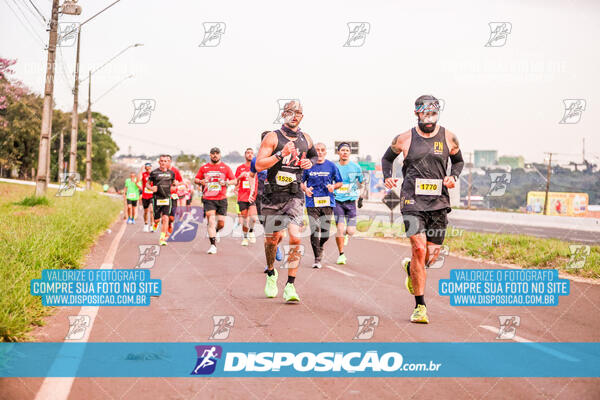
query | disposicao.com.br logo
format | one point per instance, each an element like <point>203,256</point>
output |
<point>325,363</point>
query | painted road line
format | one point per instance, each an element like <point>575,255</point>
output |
<point>340,270</point>
<point>60,388</point>
<point>536,345</point>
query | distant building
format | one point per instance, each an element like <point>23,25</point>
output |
<point>485,158</point>
<point>512,161</point>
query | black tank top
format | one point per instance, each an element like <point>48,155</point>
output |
<point>424,169</point>
<point>288,170</point>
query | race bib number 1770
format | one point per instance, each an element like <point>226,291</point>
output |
<point>428,187</point>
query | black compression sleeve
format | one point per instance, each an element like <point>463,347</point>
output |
<point>387,163</point>
<point>457,164</point>
<point>311,154</point>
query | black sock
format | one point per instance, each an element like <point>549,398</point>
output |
<point>212,240</point>
<point>420,300</point>
<point>270,272</point>
<point>341,253</point>
<point>408,268</point>
<point>251,230</point>
<point>291,279</point>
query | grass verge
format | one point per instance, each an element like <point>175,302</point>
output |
<point>55,232</point>
<point>523,250</point>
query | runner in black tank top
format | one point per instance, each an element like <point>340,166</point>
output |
<point>427,159</point>
<point>424,193</point>
<point>284,153</point>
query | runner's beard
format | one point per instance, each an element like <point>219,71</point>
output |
<point>427,127</point>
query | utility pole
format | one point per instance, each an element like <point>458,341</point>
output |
<point>43,152</point>
<point>75,113</point>
<point>61,159</point>
<point>88,145</point>
<point>548,184</point>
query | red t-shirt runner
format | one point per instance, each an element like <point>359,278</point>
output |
<point>177,174</point>
<point>146,193</point>
<point>214,173</point>
<point>241,174</point>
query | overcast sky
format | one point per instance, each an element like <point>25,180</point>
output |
<point>508,98</point>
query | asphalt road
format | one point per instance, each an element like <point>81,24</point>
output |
<point>197,286</point>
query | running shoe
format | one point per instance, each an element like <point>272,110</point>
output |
<point>212,249</point>
<point>154,227</point>
<point>271,285</point>
<point>408,280</point>
<point>251,237</point>
<point>341,259</point>
<point>419,315</point>
<point>289,293</point>
<point>317,264</point>
<point>146,228</point>
<point>163,239</point>
<point>244,242</point>
<point>279,254</point>
<point>346,238</point>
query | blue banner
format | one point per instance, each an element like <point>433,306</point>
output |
<point>95,287</point>
<point>300,359</point>
<point>504,287</point>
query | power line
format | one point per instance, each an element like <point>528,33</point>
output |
<point>27,19</point>
<point>24,26</point>
<point>38,11</point>
<point>35,17</point>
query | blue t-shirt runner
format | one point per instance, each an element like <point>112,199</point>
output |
<point>351,173</point>
<point>317,178</point>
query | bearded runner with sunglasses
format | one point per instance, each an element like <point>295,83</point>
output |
<point>424,196</point>
<point>284,153</point>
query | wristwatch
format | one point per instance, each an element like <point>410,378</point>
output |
<point>278,155</point>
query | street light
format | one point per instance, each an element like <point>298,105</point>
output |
<point>75,114</point>
<point>43,172</point>
<point>88,147</point>
<point>113,57</point>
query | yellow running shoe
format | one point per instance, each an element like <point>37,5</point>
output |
<point>419,315</point>
<point>408,280</point>
<point>271,285</point>
<point>289,293</point>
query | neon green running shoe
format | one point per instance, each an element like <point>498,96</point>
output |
<point>271,286</point>
<point>419,315</point>
<point>408,281</point>
<point>341,259</point>
<point>163,239</point>
<point>289,293</point>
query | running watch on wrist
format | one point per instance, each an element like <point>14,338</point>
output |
<point>278,155</point>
